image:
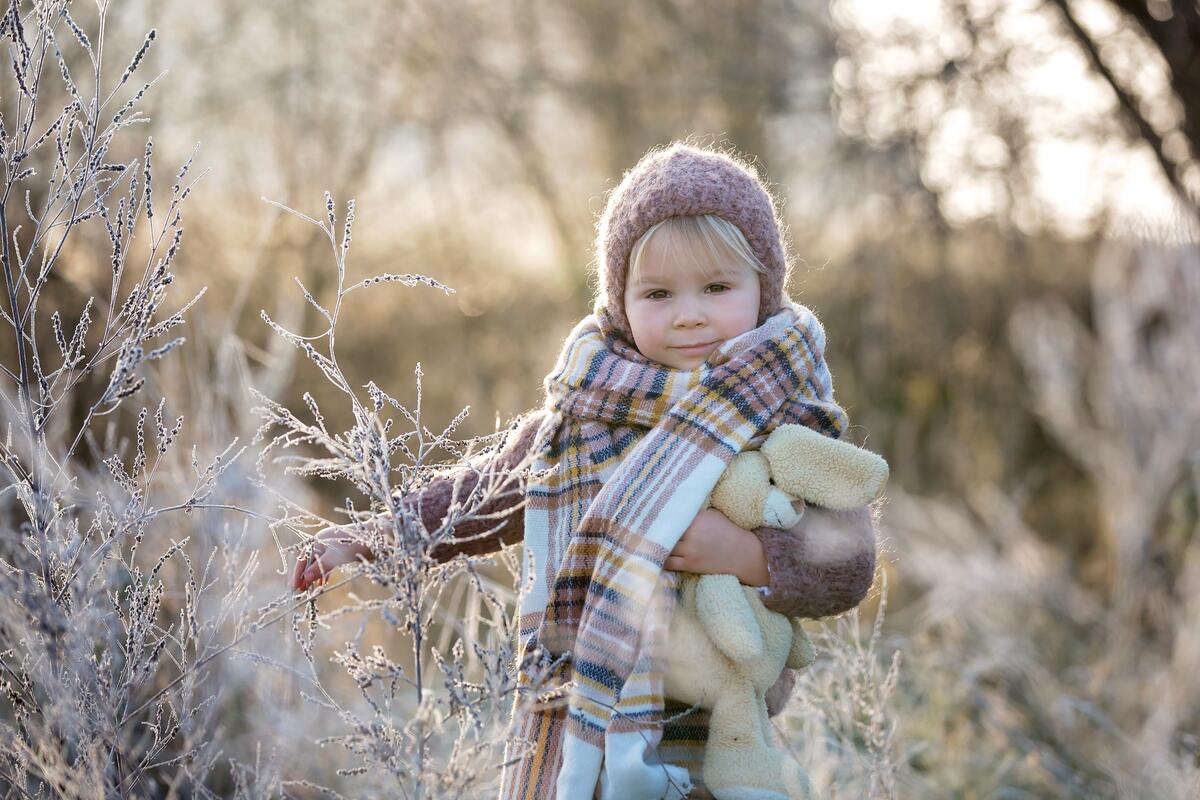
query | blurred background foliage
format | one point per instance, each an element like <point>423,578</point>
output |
<point>940,164</point>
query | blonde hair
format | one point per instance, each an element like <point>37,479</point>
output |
<point>709,243</point>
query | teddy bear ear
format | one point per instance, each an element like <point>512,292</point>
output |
<point>822,470</point>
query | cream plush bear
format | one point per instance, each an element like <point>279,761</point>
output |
<point>726,649</point>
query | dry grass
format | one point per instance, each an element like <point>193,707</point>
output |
<point>1020,674</point>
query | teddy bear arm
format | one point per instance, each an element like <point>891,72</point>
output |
<point>802,652</point>
<point>728,619</point>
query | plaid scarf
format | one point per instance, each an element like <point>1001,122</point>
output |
<point>631,451</point>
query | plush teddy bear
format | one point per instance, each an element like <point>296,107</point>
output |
<point>725,648</point>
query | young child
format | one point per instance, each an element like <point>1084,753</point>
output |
<point>693,353</point>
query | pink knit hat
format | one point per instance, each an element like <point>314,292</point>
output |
<point>685,181</point>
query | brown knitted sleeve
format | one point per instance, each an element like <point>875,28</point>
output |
<point>824,565</point>
<point>500,520</point>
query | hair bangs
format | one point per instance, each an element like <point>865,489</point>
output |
<point>708,244</point>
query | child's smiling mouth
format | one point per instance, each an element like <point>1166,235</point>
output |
<point>696,348</point>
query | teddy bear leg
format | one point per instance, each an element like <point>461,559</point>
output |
<point>795,779</point>
<point>739,761</point>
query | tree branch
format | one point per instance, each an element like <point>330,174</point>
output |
<point>1128,102</point>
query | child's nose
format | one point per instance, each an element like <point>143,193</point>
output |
<point>689,315</point>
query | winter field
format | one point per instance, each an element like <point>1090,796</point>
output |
<point>388,212</point>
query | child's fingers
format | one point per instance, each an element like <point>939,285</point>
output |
<point>318,573</point>
<point>298,572</point>
<point>324,557</point>
<point>305,580</point>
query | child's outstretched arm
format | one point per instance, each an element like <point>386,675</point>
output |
<point>498,522</point>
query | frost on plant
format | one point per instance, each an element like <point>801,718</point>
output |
<point>430,720</point>
<point>102,639</point>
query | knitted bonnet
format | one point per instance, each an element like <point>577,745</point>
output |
<point>681,181</point>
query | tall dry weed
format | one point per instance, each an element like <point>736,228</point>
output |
<point>101,652</point>
<point>430,716</point>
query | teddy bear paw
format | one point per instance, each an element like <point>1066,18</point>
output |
<point>778,511</point>
<point>747,774</point>
<point>747,793</point>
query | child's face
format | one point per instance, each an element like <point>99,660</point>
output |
<point>679,316</point>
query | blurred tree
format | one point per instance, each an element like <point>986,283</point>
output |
<point>1172,27</point>
<point>1003,100</point>
<point>574,92</point>
<point>479,139</point>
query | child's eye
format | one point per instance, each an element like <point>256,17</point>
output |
<point>718,287</point>
<point>657,294</point>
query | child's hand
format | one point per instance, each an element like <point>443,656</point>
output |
<point>332,548</point>
<point>714,545</point>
